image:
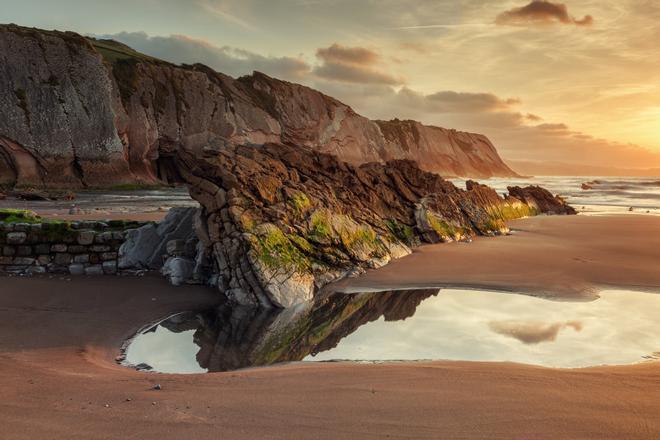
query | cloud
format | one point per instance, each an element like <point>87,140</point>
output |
<point>560,127</point>
<point>541,12</point>
<point>348,55</point>
<point>558,143</point>
<point>182,49</point>
<point>532,332</point>
<point>352,65</point>
<point>455,102</point>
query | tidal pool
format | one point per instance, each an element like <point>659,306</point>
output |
<point>621,327</point>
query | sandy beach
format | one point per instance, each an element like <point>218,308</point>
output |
<point>59,339</point>
<point>561,257</point>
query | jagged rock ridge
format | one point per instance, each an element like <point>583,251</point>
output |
<point>282,221</point>
<point>81,112</point>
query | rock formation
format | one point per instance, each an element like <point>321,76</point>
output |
<point>296,189</point>
<point>79,112</point>
<point>541,200</point>
<point>281,221</point>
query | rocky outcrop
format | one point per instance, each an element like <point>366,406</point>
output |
<point>80,112</point>
<point>541,200</point>
<point>282,221</point>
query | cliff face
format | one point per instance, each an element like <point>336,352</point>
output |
<point>80,112</point>
<point>56,115</point>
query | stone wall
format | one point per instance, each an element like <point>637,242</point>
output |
<point>98,248</point>
<point>78,248</point>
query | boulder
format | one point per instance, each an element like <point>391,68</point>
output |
<point>541,199</point>
<point>148,246</point>
<point>178,270</point>
<point>137,250</point>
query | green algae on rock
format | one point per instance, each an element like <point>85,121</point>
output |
<point>282,221</point>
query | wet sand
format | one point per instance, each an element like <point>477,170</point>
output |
<point>59,379</point>
<point>152,216</point>
<point>137,205</point>
<point>553,256</point>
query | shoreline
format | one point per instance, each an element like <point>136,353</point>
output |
<point>59,341</point>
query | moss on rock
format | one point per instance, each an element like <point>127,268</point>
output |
<point>8,215</point>
<point>320,227</point>
<point>445,230</point>
<point>401,232</point>
<point>276,250</point>
<point>300,204</point>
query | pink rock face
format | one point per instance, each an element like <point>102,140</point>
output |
<point>56,121</point>
<point>87,113</point>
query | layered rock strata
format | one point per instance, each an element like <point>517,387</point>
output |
<point>78,112</point>
<point>283,221</point>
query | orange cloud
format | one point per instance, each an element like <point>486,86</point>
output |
<point>348,55</point>
<point>449,101</point>
<point>353,65</point>
<point>541,12</point>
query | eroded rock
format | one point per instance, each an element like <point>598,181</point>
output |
<point>290,220</point>
<point>146,247</point>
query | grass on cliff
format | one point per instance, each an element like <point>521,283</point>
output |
<point>113,51</point>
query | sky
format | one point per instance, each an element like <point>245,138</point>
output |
<point>569,87</point>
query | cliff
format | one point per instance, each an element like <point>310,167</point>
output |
<point>79,112</point>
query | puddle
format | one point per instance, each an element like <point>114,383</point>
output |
<point>621,327</point>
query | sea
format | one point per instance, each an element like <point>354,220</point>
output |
<point>589,195</point>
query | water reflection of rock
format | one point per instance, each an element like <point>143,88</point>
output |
<point>232,337</point>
